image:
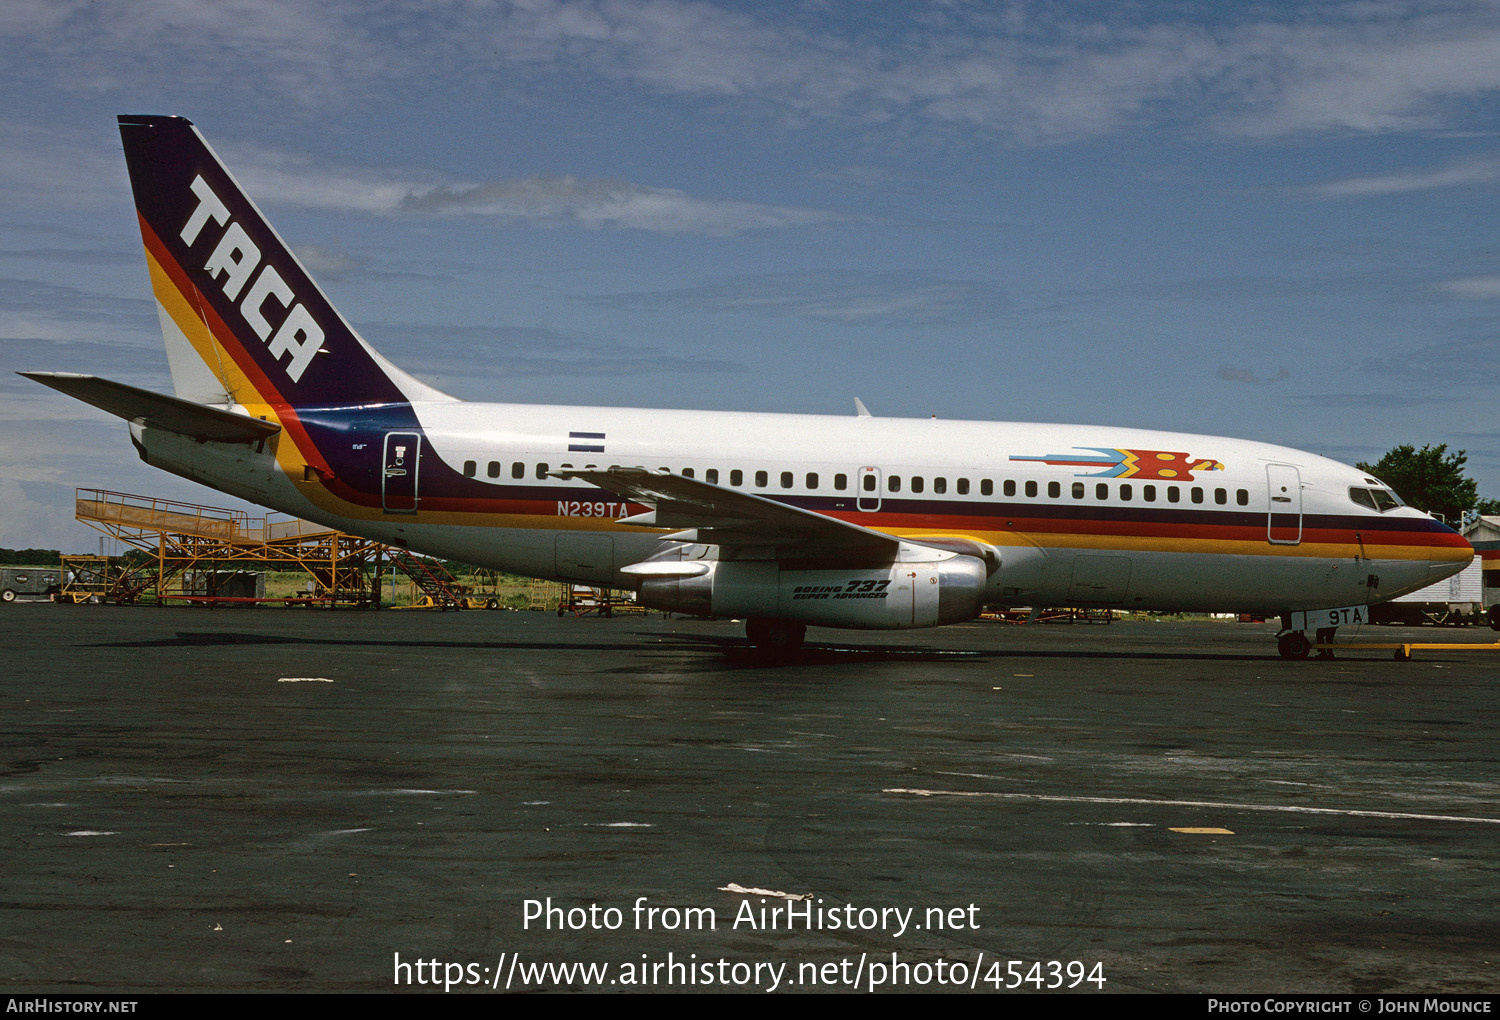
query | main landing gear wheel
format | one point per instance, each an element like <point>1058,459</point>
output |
<point>1294,645</point>
<point>775,635</point>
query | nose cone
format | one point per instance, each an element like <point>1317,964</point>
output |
<point>1450,556</point>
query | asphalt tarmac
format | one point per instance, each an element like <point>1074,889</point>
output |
<point>305,800</point>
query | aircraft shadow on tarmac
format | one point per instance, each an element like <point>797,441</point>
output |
<point>736,652</point>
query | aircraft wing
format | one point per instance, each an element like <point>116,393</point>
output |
<point>158,411</point>
<point>713,515</point>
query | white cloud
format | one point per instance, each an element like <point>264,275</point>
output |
<point>326,262</point>
<point>603,203</point>
<point>1475,288</point>
<point>1373,74</point>
<point>548,201</point>
<point>1050,75</point>
<point>305,53</point>
<point>1480,170</point>
<point>1036,74</point>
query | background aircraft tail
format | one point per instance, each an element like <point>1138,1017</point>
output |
<point>242,319</point>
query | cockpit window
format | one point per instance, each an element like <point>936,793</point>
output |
<point>1376,499</point>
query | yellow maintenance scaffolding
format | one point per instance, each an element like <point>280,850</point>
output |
<point>207,555</point>
<point>191,552</point>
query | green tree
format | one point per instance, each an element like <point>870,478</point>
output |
<point>1431,479</point>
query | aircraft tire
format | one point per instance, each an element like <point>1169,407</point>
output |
<point>7,595</point>
<point>1495,617</point>
<point>1294,646</point>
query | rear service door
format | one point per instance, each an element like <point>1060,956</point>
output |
<point>403,455</point>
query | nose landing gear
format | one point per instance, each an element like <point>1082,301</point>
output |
<point>1294,645</point>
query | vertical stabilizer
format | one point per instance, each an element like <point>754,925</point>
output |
<point>243,321</point>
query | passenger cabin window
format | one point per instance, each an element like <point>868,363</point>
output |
<point>1054,490</point>
<point>711,476</point>
<point>812,479</point>
<point>1101,491</point>
<point>687,472</point>
<point>518,470</point>
<point>916,483</point>
<point>1148,493</point>
<point>1221,496</point>
<point>494,469</point>
<point>470,469</point>
<point>1174,494</point>
<point>1125,492</point>
<point>893,482</point>
<point>541,472</point>
<point>1196,494</point>
<point>786,479</point>
<point>1242,497</point>
<point>761,478</point>
<point>869,483</point>
<point>1031,489</point>
<point>940,485</point>
<point>1010,487</point>
<point>736,477</point>
<point>963,486</point>
<point>841,482</point>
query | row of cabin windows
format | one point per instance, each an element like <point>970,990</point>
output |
<point>917,484</point>
<point>517,470</point>
<point>1078,490</point>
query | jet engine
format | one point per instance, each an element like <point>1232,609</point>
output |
<point>892,596</point>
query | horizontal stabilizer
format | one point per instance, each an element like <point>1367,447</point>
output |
<point>158,411</point>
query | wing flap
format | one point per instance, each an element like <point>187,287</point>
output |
<point>713,515</point>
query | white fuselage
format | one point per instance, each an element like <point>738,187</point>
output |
<point>1070,527</point>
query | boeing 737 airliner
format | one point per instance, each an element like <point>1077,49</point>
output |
<point>785,520</point>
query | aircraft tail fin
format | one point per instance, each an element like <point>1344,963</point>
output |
<point>243,320</point>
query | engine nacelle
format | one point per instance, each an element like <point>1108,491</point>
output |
<point>894,596</point>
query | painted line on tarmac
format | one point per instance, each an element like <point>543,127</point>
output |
<point>1221,805</point>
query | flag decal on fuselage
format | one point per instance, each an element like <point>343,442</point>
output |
<point>576,447</point>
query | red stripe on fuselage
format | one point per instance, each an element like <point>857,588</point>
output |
<point>962,523</point>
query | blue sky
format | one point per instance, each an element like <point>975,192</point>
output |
<point>1267,220</point>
